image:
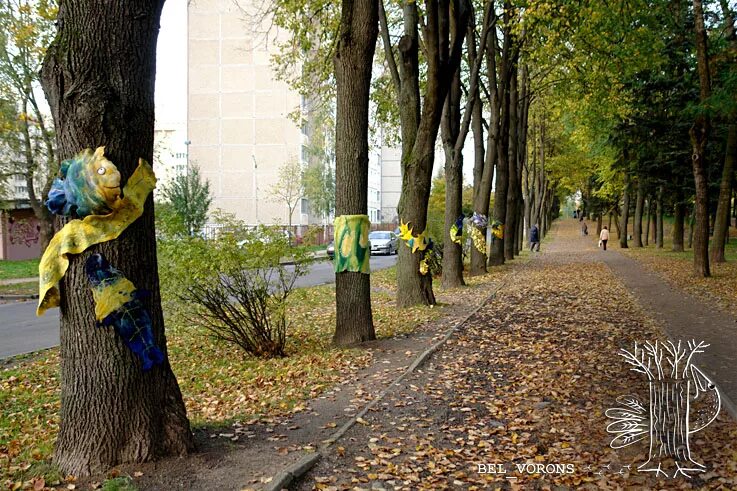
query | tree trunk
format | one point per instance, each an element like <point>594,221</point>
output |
<point>599,223</point>
<point>353,58</point>
<point>639,205</point>
<point>483,170</point>
<point>659,220</point>
<point>510,226</point>
<point>625,212</point>
<point>98,76</point>
<point>649,214</point>
<point>678,224</point>
<point>443,58</point>
<point>699,133</point>
<point>691,223</point>
<point>451,126</point>
<point>721,224</point>
<point>496,256</point>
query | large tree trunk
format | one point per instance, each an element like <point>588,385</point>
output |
<point>721,224</point>
<point>511,226</point>
<point>443,58</point>
<point>639,205</point>
<point>699,133</point>
<point>625,212</point>
<point>98,77</point>
<point>353,58</point>
<point>451,126</point>
<point>659,219</point>
<point>679,219</point>
<point>649,214</point>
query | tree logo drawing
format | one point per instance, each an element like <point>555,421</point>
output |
<point>683,401</point>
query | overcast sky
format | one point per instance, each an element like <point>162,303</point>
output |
<point>171,61</point>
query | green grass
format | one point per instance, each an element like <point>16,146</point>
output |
<point>119,484</point>
<point>19,289</point>
<point>18,269</point>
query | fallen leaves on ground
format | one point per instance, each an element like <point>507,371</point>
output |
<point>224,385</point>
<point>526,383</point>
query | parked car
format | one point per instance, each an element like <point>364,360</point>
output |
<point>383,242</point>
<point>330,249</point>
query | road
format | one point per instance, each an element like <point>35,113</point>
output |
<point>22,332</point>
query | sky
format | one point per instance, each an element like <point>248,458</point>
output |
<point>171,61</point>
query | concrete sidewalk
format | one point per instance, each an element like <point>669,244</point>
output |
<point>16,281</point>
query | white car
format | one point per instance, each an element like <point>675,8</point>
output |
<point>383,242</point>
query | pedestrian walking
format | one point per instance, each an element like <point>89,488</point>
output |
<point>603,238</point>
<point>534,238</point>
<point>584,228</point>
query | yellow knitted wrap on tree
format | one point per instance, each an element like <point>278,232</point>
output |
<point>111,296</point>
<point>352,243</point>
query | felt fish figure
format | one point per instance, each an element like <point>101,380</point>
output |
<point>89,184</point>
<point>118,304</point>
<point>456,230</point>
<point>418,243</point>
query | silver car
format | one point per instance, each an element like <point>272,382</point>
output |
<point>383,242</point>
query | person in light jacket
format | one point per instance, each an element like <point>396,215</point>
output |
<point>604,237</point>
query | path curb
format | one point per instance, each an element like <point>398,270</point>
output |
<point>297,470</point>
<point>33,296</point>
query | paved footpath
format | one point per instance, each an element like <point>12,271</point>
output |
<point>516,399</point>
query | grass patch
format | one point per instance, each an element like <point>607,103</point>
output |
<point>225,384</point>
<point>18,269</point>
<point>19,289</point>
<point>677,267</point>
<point>119,484</point>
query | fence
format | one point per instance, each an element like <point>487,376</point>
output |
<point>314,234</point>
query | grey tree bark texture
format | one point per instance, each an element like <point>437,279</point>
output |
<point>98,76</point>
<point>699,133</point>
<point>625,212</point>
<point>353,61</point>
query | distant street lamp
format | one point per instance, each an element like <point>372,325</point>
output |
<point>187,143</point>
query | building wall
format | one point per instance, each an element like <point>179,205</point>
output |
<point>20,235</point>
<point>374,187</point>
<point>238,121</point>
<point>170,154</point>
<point>391,183</point>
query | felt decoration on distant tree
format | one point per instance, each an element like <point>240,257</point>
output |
<point>456,230</point>
<point>118,304</point>
<point>478,222</point>
<point>89,184</point>
<point>417,243</point>
<point>78,235</point>
<point>497,229</point>
<point>352,243</point>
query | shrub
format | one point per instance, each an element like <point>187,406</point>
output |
<point>234,286</point>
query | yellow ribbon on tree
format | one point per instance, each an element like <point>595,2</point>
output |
<point>78,235</point>
<point>352,243</point>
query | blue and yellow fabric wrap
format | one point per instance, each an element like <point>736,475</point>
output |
<point>78,235</point>
<point>352,243</point>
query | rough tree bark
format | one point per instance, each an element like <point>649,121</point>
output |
<point>639,206</point>
<point>452,253</point>
<point>699,133</point>
<point>721,224</point>
<point>501,187</point>
<point>454,132</point>
<point>649,213</point>
<point>353,58</point>
<point>98,76</point>
<point>420,132</point>
<point>483,178</point>
<point>679,219</point>
<point>625,212</point>
<point>511,226</point>
<point>659,219</point>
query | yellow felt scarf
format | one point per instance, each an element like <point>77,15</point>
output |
<point>78,235</point>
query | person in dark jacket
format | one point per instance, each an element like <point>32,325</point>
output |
<point>534,238</point>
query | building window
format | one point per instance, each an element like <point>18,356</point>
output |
<point>305,206</point>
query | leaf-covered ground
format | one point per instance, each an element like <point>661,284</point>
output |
<point>677,267</point>
<point>526,383</point>
<point>224,385</point>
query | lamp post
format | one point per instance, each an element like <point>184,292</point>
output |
<point>187,143</point>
